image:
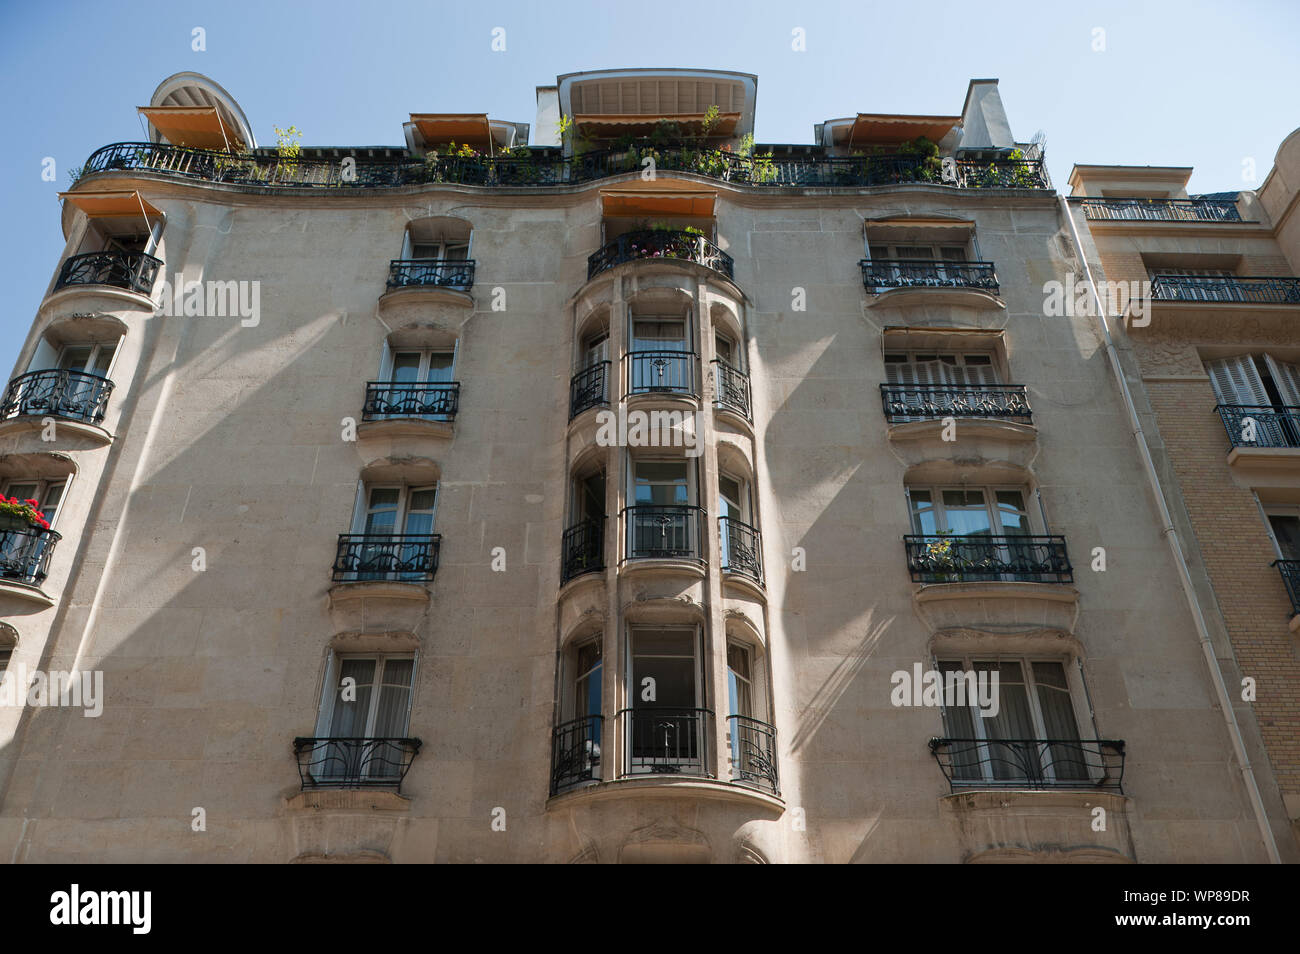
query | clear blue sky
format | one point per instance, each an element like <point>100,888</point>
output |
<point>1181,83</point>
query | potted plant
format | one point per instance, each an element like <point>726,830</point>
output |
<point>18,514</point>
<point>939,559</point>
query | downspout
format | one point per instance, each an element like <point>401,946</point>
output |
<point>1175,546</point>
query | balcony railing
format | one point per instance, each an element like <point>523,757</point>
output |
<point>354,763</point>
<point>663,740</point>
<point>72,395</point>
<point>134,271</point>
<point>404,557</point>
<point>753,753</point>
<point>662,245</point>
<point>949,558</point>
<point>1290,570</point>
<point>742,549</point>
<point>1261,425</point>
<point>1228,288</point>
<point>424,272</point>
<point>926,402</point>
<point>730,388</point>
<point>649,372</point>
<point>25,553</point>
<point>1163,210</point>
<point>589,388</point>
<point>926,273</point>
<point>664,532</point>
<point>583,549</point>
<point>1070,764</point>
<point>575,753</point>
<point>541,169</point>
<point>389,399</point>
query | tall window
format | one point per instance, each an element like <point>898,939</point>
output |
<point>1202,286</point>
<point>979,511</point>
<point>1268,389</point>
<point>665,725</point>
<point>936,368</point>
<point>417,383</point>
<point>662,520</point>
<point>48,493</point>
<point>369,699</point>
<point>1284,523</point>
<point>398,526</point>
<point>660,355</point>
<point>935,264</point>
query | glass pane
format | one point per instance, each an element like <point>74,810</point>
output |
<point>352,701</point>
<point>75,359</point>
<point>1285,528</point>
<point>406,367</point>
<point>959,724</point>
<point>22,491</point>
<point>965,512</point>
<point>423,499</point>
<point>1011,512</point>
<point>1014,721</point>
<point>923,515</point>
<point>1063,761</point>
<point>102,360</point>
<point>394,697</point>
<point>53,494</point>
<point>440,367</point>
<point>658,335</point>
<point>661,482</point>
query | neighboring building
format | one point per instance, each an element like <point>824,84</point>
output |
<point>1213,342</point>
<point>369,576</point>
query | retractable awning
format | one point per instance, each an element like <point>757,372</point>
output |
<point>695,203</point>
<point>617,124</point>
<point>880,127</point>
<point>471,129</point>
<point>198,126</point>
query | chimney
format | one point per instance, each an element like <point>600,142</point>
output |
<point>984,121</point>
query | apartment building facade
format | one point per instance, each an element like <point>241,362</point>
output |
<point>598,489</point>
<point>1212,345</point>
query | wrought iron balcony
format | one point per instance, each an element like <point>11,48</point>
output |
<point>575,753</point>
<point>404,557</point>
<point>649,372</point>
<point>425,272</point>
<point>389,399</point>
<point>666,740</point>
<point>730,388</point>
<point>927,273</point>
<point>266,168</point>
<point>1069,764</point>
<point>71,395</point>
<point>1228,288</point>
<point>1251,425</point>
<point>589,388</point>
<point>354,763</point>
<point>1290,570</point>
<point>753,753</point>
<point>25,552</point>
<point>927,402</point>
<point>582,549</point>
<point>134,271</point>
<point>1162,210</point>
<point>661,245</point>
<point>663,532</point>
<point>742,549</point>
<point>950,558</point>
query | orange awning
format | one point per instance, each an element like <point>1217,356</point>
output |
<point>609,124</point>
<point>100,205</point>
<point>197,126</point>
<point>878,127</point>
<point>639,202</point>
<point>469,128</point>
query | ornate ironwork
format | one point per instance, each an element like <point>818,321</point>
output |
<point>1229,288</point>
<point>916,402</point>
<point>25,553</point>
<point>407,557</point>
<point>665,740</point>
<point>742,548</point>
<point>753,753</point>
<point>663,532</point>
<point>730,388</point>
<point>423,272</point>
<point>387,399</point>
<point>927,273</point>
<point>575,753</point>
<point>1031,763</point>
<point>134,271</point>
<point>1251,425</point>
<point>583,549</point>
<point>1290,570</point>
<point>589,388</point>
<point>73,395</point>
<point>950,558</point>
<point>1163,210</point>
<point>354,762</point>
<point>654,244</point>
<point>652,371</point>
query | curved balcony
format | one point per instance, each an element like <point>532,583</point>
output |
<point>753,754</point>
<point>25,553</point>
<point>589,388</point>
<point>741,549</point>
<point>928,402</point>
<point>660,372</point>
<point>60,393</point>
<point>949,558</point>
<point>582,550</point>
<point>660,246</point>
<point>431,272</point>
<point>731,389</point>
<point>386,400</point>
<point>666,740</point>
<point>354,762</point>
<point>393,557</point>
<point>1061,764</point>
<point>575,753</point>
<point>664,532</point>
<point>132,271</point>
<point>926,273</point>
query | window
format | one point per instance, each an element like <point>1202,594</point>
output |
<point>920,264</point>
<point>595,348</point>
<point>6,653</point>
<point>48,493</point>
<point>724,348</point>
<point>367,707</point>
<point>663,521</point>
<point>982,511</point>
<point>1198,284</point>
<point>979,533</point>
<point>583,548</point>
<point>660,355</point>
<point>751,740</point>
<point>416,383</point>
<point>1284,524</point>
<point>1034,735</point>
<point>398,542</point>
<point>665,724</point>
<point>439,250</point>
<point>934,368</point>
<point>1267,392</point>
<point>739,548</point>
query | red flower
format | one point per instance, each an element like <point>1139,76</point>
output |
<point>34,504</point>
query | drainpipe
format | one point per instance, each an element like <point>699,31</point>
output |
<point>1175,547</point>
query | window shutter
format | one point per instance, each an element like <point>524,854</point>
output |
<point>1287,378</point>
<point>359,509</point>
<point>1236,381</point>
<point>46,356</point>
<point>386,362</point>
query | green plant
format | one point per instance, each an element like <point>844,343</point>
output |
<point>24,511</point>
<point>712,116</point>
<point>288,146</point>
<point>75,174</point>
